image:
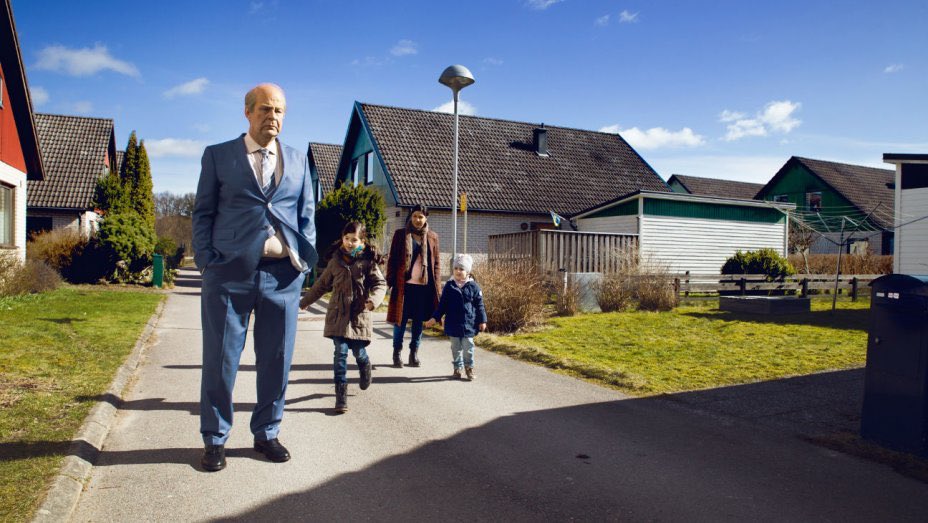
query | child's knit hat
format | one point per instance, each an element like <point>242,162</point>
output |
<point>463,261</point>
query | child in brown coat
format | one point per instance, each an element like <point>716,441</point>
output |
<point>358,287</point>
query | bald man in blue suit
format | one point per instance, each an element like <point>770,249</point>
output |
<point>254,238</point>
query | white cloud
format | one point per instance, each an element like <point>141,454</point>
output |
<point>626,17</point>
<point>492,61</point>
<point>541,5</point>
<point>656,137</point>
<point>38,94</point>
<point>82,107</point>
<point>186,89</point>
<point>893,68</point>
<point>404,47</point>
<point>463,108</point>
<point>602,21</point>
<point>82,62</point>
<point>174,147</point>
<point>774,117</point>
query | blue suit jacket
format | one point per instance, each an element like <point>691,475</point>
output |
<point>232,217</point>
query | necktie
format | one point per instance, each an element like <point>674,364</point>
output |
<point>267,173</point>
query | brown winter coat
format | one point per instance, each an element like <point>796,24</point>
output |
<point>398,263</point>
<point>346,280</point>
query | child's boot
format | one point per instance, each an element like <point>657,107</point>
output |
<point>398,357</point>
<point>341,397</point>
<point>366,376</point>
<point>469,372</point>
<point>413,356</point>
<point>457,373</point>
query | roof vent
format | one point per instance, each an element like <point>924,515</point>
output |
<point>540,140</point>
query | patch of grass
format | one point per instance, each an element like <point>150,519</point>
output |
<point>60,350</point>
<point>694,346</point>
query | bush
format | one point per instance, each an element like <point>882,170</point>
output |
<point>655,291</point>
<point>346,204</point>
<point>850,263</point>
<point>567,301</point>
<point>762,261</point>
<point>513,294</point>
<point>33,276</point>
<point>130,239</point>
<point>75,258</point>
<point>614,292</point>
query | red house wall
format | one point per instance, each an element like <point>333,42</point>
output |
<point>11,150</point>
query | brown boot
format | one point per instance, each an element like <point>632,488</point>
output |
<point>341,398</point>
<point>469,372</point>
<point>457,374</point>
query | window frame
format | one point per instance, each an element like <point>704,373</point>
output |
<point>12,216</point>
<point>369,168</point>
<point>809,199</point>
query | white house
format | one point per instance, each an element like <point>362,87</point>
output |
<point>910,252</point>
<point>686,232</point>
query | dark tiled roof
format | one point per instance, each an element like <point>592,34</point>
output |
<point>499,168</point>
<point>326,156</point>
<point>119,156</point>
<point>74,150</point>
<point>865,187</point>
<point>717,187</point>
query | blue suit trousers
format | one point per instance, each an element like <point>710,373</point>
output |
<point>272,293</point>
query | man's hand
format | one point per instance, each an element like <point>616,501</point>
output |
<point>369,305</point>
<point>431,323</point>
<point>482,327</point>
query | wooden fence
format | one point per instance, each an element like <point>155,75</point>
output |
<point>802,284</point>
<point>570,250</point>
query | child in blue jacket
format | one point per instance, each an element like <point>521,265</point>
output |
<point>461,304</point>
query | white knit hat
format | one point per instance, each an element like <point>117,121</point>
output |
<point>463,261</point>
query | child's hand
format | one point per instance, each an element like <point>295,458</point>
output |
<point>482,327</point>
<point>369,305</point>
<point>431,323</point>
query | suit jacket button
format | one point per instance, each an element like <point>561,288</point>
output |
<point>270,205</point>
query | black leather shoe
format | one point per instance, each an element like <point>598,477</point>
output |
<point>397,358</point>
<point>413,357</point>
<point>214,458</point>
<point>273,450</point>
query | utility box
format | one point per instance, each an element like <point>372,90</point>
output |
<point>895,408</point>
<point>157,271</point>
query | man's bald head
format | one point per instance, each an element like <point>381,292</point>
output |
<point>252,96</point>
<point>265,107</point>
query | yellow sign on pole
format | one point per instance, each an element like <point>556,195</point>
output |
<point>463,202</point>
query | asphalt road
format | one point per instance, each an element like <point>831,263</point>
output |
<point>520,443</point>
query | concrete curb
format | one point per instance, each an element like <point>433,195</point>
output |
<point>67,486</point>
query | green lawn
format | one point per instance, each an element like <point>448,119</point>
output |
<point>58,352</point>
<point>695,346</point>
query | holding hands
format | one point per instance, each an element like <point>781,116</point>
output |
<point>431,323</point>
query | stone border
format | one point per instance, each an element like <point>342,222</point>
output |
<point>66,487</point>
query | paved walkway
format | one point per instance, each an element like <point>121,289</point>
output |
<point>521,444</point>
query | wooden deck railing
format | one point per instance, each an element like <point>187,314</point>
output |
<point>802,284</point>
<point>572,251</point>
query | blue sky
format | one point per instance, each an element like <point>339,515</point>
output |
<point>728,89</point>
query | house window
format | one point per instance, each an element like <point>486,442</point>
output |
<point>355,165</point>
<point>814,201</point>
<point>6,216</point>
<point>781,198</point>
<point>369,168</point>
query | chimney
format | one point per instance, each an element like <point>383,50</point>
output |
<point>540,140</point>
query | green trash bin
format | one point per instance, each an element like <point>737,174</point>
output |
<point>157,271</point>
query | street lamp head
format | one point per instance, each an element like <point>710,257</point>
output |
<point>456,77</point>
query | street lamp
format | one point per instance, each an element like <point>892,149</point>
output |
<point>456,77</point>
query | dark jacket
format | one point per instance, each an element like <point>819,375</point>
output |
<point>462,308</point>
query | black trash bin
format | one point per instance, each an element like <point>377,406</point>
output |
<point>895,410</point>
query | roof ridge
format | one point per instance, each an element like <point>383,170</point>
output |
<point>802,158</point>
<point>76,116</point>
<point>547,126</point>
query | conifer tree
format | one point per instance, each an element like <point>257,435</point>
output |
<point>110,196</point>
<point>130,164</point>
<point>143,196</point>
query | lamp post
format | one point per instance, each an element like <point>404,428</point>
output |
<point>456,77</point>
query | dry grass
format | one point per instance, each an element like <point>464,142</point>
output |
<point>33,276</point>
<point>567,300</point>
<point>513,293</point>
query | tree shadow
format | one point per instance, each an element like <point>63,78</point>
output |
<point>674,457</point>
<point>850,319</point>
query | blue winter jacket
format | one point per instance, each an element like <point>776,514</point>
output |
<point>462,308</point>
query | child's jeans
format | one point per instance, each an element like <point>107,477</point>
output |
<point>342,346</point>
<point>462,352</point>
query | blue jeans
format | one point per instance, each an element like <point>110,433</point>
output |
<point>340,363</point>
<point>415,334</point>
<point>462,352</point>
